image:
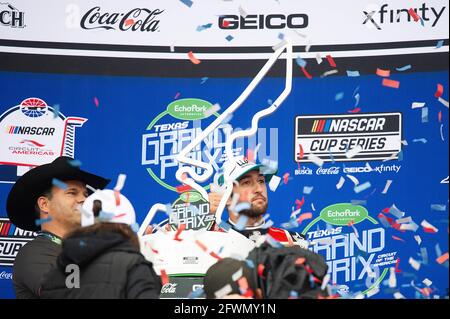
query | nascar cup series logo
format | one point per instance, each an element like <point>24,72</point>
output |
<point>354,246</point>
<point>33,133</point>
<point>330,137</point>
<point>11,240</point>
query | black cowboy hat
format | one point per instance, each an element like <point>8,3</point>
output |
<point>22,198</point>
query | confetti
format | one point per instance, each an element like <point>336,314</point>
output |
<point>414,263</point>
<point>242,222</point>
<point>418,239</point>
<point>398,238</point>
<point>279,45</point>
<point>357,110</point>
<point>120,182</point>
<point>339,96</point>
<point>392,279</point>
<point>197,293</point>
<point>241,206</point>
<point>204,79</point>
<point>444,102</point>
<point>187,2</point>
<point>404,68</point>
<point>425,115</point>
<point>438,207</point>
<point>177,95</point>
<point>327,73</point>
<point>397,264</point>
<point>300,203</point>
<point>204,27</point>
<point>55,111</point>
<point>286,178</point>
<point>356,99</point>
<point>398,295</point>
<point>439,90</point>
<point>427,282</point>
<point>222,292</point>
<point>307,189</point>
<point>229,38</point>
<point>183,188</point>
<point>212,110</point>
<point>274,182</point>
<point>56,182</point>
<point>164,277</point>
<point>306,73</point>
<point>442,133</point>
<point>340,183</point>
<point>423,140</point>
<point>439,44</point>
<point>75,163</point>
<point>41,221</point>
<point>413,14</point>
<point>428,227</point>
<point>416,105</point>
<point>410,226</point>
<point>440,116</point>
<point>396,212</point>
<point>303,217</point>
<point>383,73</point>
<point>358,202</point>
<point>354,151</point>
<point>331,61</point>
<point>180,229</point>
<point>362,187</point>
<point>242,12</point>
<point>442,259</point>
<point>386,187</point>
<point>315,159</point>
<point>424,254</point>
<point>404,220</point>
<point>318,58</point>
<point>193,59</point>
<point>352,73</point>
<point>390,83</point>
<point>300,62</point>
<point>96,101</point>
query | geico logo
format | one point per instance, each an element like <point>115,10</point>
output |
<point>364,169</point>
<point>9,248</point>
<point>357,125</point>
<point>170,127</point>
<point>325,232</point>
<point>270,21</point>
<point>346,213</point>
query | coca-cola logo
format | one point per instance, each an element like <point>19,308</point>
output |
<point>169,288</point>
<point>137,19</point>
<point>328,171</point>
<point>5,275</point>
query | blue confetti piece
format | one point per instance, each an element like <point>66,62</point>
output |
<point>424,255</point>
<point>229,38</point>
<point>339,96</point>
<point>269,101</point>
<point>280,36</point>
<point>438,250</point>
<point>425,115</point>
<point>291,224</point>
<point>187,2</point>
<point>204,27</point>
<point>242,222</point>
<point>272,242</point>
<point>41,221</point>
<point>105,215</point>
<point>352,73</point>
<point>56,182</point>
<point>361,187</point>
<point>241,206</point>
<point>307,189</point>
<point>439,44</point>
<point>423,140</point>
<point>358,202</point>
<point>225,226</point>
<point>249,263</point>
<point>135,227</point>
<point>55,111</point>
<point>75,163</point>
<point>396,212</point>
<point>293,294</point>
<point>204,79</point>
<point>300,62</point>
<point>404,68</point>
<point>197,293</point>
<point>267,224</point>
<point>400,156</point>
<point>439,208</point>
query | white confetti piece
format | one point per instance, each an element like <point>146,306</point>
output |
<point>279,45</point>
<point>410,226</point>
<point>426,224</point>
<point>396,212</point>
<point>120,182</point>
<point>353,179</point>
<point>404,142</point>
<point>318,58</point>
<point>327,73</point>
<point>212,110</point>
<point>416,105</point>
<point>398,295</point>
<point>222,292</point>
<point>386,187</point>
<point>373,292</point>
<point>307,189</point>
<point>316,160</point>
<point>438,207</point>
<point>418,239</point>
<point>414,263</point>
<point>340,183</point>
<point>325,281</point>
<point>238,274</point>
<point>354,151</point>
<point>442,133</point>
<point>242,12</point>
<point>427,282</point>
<point>362,187</point>
<point>312,207</point>
<point>392,278</point>
<point>308,46</point>
<point>404,220</point>
<point>274,182</point>
<point>444,102</point>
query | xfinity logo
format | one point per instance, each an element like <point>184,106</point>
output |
<point>374,16</point>
<point>11,16</point>
<point>269,21</point>
<point>138,19</point>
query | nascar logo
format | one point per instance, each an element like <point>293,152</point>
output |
<point>12,239</point>
<point>329,137</point>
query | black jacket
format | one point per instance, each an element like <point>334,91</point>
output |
<point>110,267</point>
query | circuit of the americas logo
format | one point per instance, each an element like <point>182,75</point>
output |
<point>376,136</point>
<point>12,239</point>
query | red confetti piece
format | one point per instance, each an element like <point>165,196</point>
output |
<point>177,95</point>
<point>396,266</point>
<point>261,270</point>
<point>286,178</point>
<point>440,116</point>
<point>193,59</point>
<point>250,155</point>
<point>164,277</point>
<point>214,255</point>
<point>383,73</point>
<point>442,259</point>
<point>306,73</point>
<point>398,238</point>
<point>183,188</point>
<point>201,245</point>
<point>225,23</point>
<point>243,283</point>
<point>303,217</point>
<point>180,229</point>
<point>301,152</point>
<point>300,261</point>
<point>300,203</point>
<point>391,83</point>
<point>331,61</point>
<point>426,291</point>
<point>120,215</point>
<point>96,102</point>
<point>429,230</point>
<point>351,223</point>
<point>357,110</point>
<point>413,14</point>
<point>117,197</point>
<point>439,90</point>
<point>129,22</point>
<point>386,210</point>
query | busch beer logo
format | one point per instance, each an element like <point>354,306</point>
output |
<point>11,16</point>
<point>11,240</point>
<point>169,288</point>
<point>137,19</point>
<point>376,136</point>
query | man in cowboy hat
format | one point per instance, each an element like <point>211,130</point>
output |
<point>46,199</point>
